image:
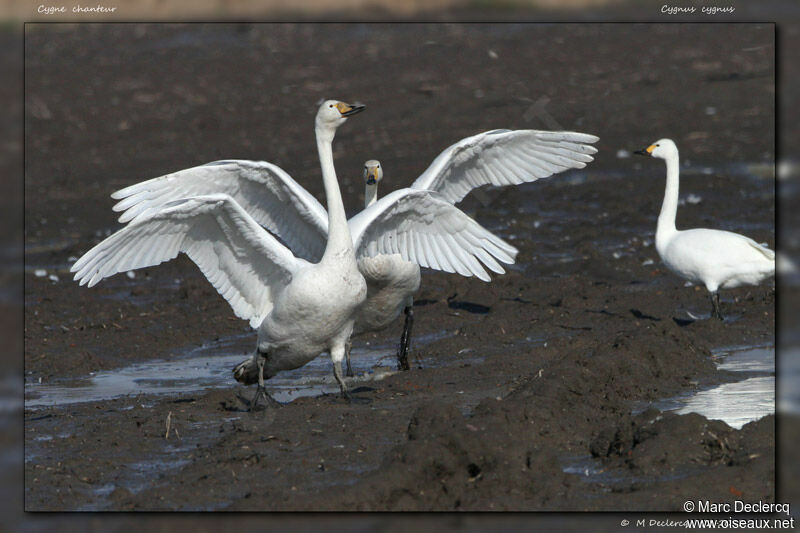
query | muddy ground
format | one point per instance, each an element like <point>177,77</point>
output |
<point>538,371</point>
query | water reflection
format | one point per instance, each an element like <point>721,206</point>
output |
<point>740,402</point>
<point>210,366</point>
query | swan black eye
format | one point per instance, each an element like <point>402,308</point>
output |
<point>330,105</point>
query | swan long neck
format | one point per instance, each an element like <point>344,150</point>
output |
<point>669,209</point>
<point>370,194</point>
<point>339,239</point>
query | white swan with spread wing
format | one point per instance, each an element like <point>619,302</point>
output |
<point>275,200</point>
<point>300,308</point>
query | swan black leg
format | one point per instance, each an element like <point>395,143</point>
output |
<point>261,391</point>
<point>337,373</point>
<point>716,312</point>
<point>349,371</point>
<point>405,340</point>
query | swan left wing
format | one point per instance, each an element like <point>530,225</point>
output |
<point>426,229</point>
<point>266,191</point>
<point>504,157</point>
<point>246,264</point>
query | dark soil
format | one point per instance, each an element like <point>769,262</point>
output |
<point>545,365</point>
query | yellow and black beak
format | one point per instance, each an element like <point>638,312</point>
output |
<point>646,151</point>
<point>348,110</point>
<point>372,176</point>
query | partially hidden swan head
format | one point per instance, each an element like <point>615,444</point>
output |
<point>373,173</point>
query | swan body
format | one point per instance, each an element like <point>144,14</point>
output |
<point>718,259</point>
<point>391,284</point>
<point>299,308</point>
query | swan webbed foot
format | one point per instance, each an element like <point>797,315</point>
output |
<point>716,311</point>
<point>270,402</point>
<point>405,341</point>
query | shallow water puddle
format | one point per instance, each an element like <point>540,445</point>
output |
<point>210,366</point>
<point>736,403</point>
<point>739,402</point>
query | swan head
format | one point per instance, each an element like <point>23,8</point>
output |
<point>373,173</point>
<point>333,113</point>
<point>662,149</point>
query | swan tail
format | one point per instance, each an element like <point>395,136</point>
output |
<point>766,252</point>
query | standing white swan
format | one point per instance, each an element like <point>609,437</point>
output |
<point>391,282</point>
<point>275,200</point>
<point>718,259</point>
<point>300,309</point>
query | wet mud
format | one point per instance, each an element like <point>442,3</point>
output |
<point>542,390</point>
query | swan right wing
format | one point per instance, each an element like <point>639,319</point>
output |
<point>504,157</point>
<point>426,229</point>
<point>246,264</point>
<point>267,192</point>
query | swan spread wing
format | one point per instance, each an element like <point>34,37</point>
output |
<point>504,157</point>
<point>426,229</point>
<point>267,192</point>
<point>242,261</point>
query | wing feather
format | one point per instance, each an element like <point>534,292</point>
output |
<point>470,265</point>
<point>267,192</point>
<point>489,261</point>
<point>431,252</point>
<point>419,250</point>
<point>246,264</point>
<point>428,230</point>
<point>504,157</point>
